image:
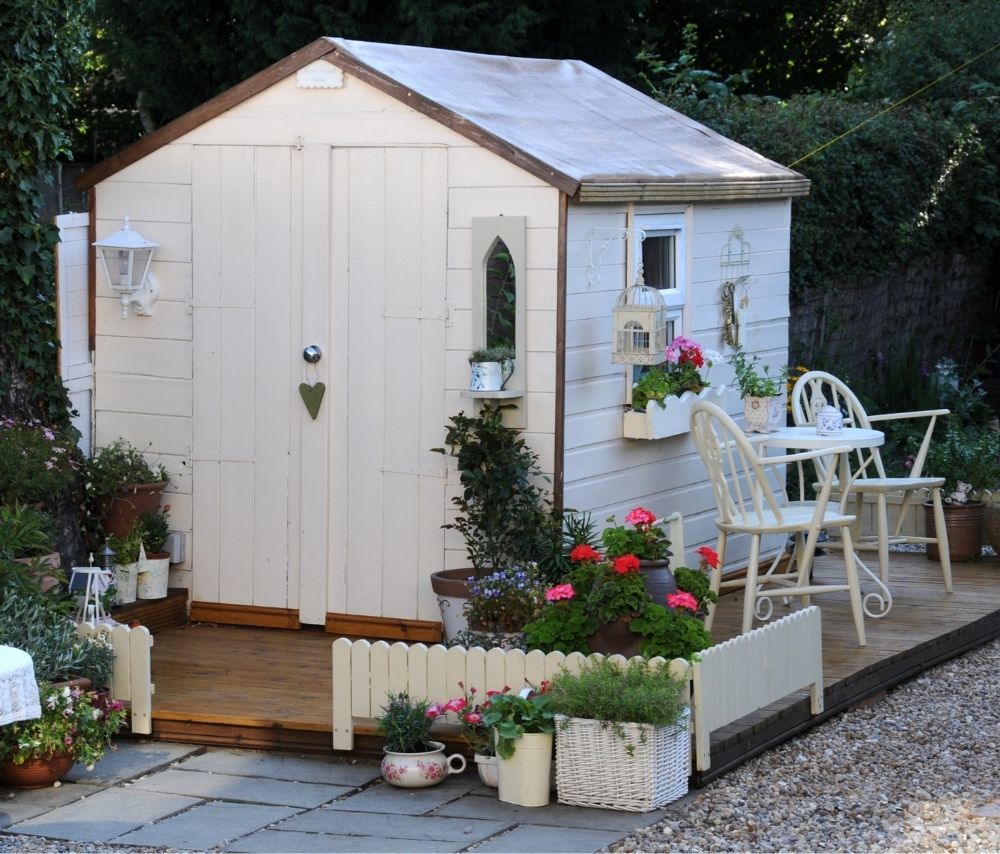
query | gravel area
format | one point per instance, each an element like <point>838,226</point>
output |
<point>917,771</point>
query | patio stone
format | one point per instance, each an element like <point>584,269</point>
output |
<point>206,826</point>
<point>392,800</point>
<point>293,842</point>
<point>342,822</point>
<point>532,837</point>
<point>555,814</point>
<point>22,804</point>
<point>278,766</point>
<point>131,759</point>
<point>229,787</point>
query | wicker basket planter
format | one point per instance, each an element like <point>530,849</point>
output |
<point>594,768</point>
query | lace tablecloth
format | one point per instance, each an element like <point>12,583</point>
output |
<point>18,689</point>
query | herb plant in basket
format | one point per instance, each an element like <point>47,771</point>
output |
<point>412,758</point>
<point>621,735</point>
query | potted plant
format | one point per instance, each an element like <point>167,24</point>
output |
<point>501,602</point>
<point>412,759</point>
<point>477,734</point>
<point>503,514</point>
<point>124,485</point>
<point>154,572</point>
<point>694,586</point>
<point>129,551</point>
<point>492,367</point>
<point>642,536</point>
<point>603,606</point>
<point>663,394</point>
<point>969,461</point>
<point>523,725</point>
<point>622,738</point>
<point>75,726</point>
<point>763,395</point>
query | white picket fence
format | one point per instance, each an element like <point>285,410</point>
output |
<point>753,670</point>
<point>365,673</point>
<point>131,678</point>
<point>730,680</point>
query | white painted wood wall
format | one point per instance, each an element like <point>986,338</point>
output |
<point>73,320</point>
<point>605,473</point>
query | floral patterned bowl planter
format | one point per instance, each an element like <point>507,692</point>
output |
<point>672,419</point>
<point>418,770</point>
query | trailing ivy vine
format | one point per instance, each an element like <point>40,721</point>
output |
<point>43,44</point>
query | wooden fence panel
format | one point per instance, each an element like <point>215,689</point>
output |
<point>131,676</point>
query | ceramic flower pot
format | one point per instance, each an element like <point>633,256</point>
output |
<point>764,414</point>
<point>35,773</point>
<point>418,770</point>
<point>487,768</point>
<point>451,587</point>
<point>658,579</point>
<point>153,575</point>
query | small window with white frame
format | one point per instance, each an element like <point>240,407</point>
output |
<point>659,247</point>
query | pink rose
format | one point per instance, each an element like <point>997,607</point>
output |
<point>560,591</point>
<point>682,599</point>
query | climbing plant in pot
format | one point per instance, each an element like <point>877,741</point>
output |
<point>504,516</point>
<point>763,395</point>
<point>969,461</point>
<point>123,485</point>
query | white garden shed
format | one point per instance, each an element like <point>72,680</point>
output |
<point>350,197</point>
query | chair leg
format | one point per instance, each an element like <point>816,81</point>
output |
<point>804,569</point>
<point>941,533</point>
<point>750,592</point>
<point>715,578</point>
<point>883,539</point>
<point>853,587</point>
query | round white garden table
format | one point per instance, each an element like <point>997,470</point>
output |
<point>806,438</point>
<point>18,688</point>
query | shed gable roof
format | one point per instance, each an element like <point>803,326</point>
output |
<point>570,124</point>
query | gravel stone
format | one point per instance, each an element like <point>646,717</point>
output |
<point>916,771</point>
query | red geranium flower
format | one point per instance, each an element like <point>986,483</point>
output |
<point>626,564</point>
<point>584,553</point>
<point>710,556</point>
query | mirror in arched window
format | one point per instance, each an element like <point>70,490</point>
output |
<point>501,299</point>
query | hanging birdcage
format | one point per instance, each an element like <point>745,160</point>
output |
<point>639,326</point>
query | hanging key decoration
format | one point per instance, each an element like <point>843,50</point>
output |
<point>312,393</point>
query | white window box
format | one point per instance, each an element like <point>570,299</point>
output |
<point>670,420</point>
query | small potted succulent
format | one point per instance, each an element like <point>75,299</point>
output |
<point>763,394</point>
<point>413,760</point>
<point>124,486</point>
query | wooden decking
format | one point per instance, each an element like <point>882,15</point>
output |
<point>271,688</point>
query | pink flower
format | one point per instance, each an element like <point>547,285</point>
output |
<point>640,516</point>
<point>584,553</point>
<point>626,564</point>
<point>682,599</point>
<point>473,718</point>
<point>455,705</point>
<point>554,594</point>
<point>434,711</point>
<point>710,556</point>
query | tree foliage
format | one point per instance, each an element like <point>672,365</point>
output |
<point>43,42</point>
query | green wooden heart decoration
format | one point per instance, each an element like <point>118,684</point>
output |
<point>312,397</point>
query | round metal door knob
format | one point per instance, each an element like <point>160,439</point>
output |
<point>312,354</point>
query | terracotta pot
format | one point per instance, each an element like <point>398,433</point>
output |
<point>658,578</point>
<point>615,639</point>
<point>964,525</point>
<point>121,509</point>
<point>991,526</point>
<point>35,773</point>
<point>451,587</point>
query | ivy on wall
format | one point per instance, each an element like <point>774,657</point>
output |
<point>43,44</point>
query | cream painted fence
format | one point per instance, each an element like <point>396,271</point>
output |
<point>364,674</point>
<point>131,678</point>
<point>730,680</point>
<point>753,670</point>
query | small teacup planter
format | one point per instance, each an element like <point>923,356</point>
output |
<point>412,760</point>
<point>418,770</point>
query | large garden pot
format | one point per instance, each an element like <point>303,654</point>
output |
<point>123,507</point>
<point>964,526</point>
<point>991,526</point>
<point>615,639</point>
<point>36,773</point>
<point>451,587</point>
<point>658,579</point>
<point>419,770</point>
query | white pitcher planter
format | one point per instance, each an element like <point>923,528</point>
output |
<point>764,414</point>
<point>525,777</point>
<point>419,770</point>
<point>153,576</point>
<point>490,376</point>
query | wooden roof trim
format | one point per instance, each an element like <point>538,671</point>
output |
<point>693,191</point>
<point>203,112</point>
<point>529,163</point>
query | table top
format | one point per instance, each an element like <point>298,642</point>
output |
<point>806,438</point>
<point>18,689</point>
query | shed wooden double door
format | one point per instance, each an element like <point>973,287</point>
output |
<point>345,249</point>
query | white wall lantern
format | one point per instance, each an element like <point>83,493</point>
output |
<point>125,257</point>
<point>639,326</point>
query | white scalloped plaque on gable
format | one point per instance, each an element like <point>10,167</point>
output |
<point>320,75</point>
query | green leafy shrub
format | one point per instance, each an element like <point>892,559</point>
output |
<point>118,465</point>
<point>641,535</point>
<point>37,463</point>
<point>25,532</point>
<point>753,381</point>
<point>126,548</point>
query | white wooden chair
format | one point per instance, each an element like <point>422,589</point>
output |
<point>816,389</point>
<point>750,500</point>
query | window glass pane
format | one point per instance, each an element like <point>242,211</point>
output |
<point>501,302</point>
<point>658,261</point>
